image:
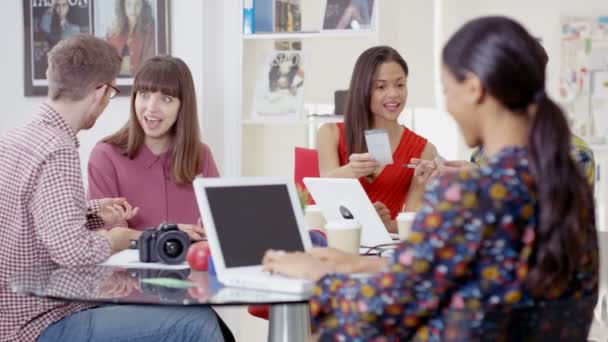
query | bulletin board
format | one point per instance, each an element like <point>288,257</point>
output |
<point>583,87</point>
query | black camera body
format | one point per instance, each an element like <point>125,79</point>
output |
<point>165,243</point>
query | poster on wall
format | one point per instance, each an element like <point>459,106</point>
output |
<point>279,91</point>
<point>137,28</point>
<point>584,64</point>
<point>348,14</point>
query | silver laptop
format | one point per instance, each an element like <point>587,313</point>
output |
<point>245,217</point>
<point>345,198</point>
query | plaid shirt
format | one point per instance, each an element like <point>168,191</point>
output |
<point>44,220</point>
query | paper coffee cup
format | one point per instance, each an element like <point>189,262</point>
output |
<point>314,218</point>
<point>344,235</point>
<point>404,224</point>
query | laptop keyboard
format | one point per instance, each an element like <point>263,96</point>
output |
<point>271,282</point>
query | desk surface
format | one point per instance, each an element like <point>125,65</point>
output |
<point>109,284</point>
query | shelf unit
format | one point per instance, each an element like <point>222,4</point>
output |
<point>306,35</point>
<point>266,146</point>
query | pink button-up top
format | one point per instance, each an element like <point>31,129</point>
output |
<point>146,182</point>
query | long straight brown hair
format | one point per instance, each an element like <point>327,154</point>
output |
<point>358,116</point>
<point>511,67</point>
<point>144,21</point>
<point>171,76</point>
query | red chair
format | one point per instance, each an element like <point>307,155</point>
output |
<point>306,164</point>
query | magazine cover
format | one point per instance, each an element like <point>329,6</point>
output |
<point>280,83</point>
<point>46,23</point>
<point>348,14</point>
<point>288,17</point>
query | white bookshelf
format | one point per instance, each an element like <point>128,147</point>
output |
<point>274,122</point>
<point>308,35</point>
<point>266,144</point>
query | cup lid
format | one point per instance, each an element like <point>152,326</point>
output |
<point>342,224</point>
<point>312,207</point>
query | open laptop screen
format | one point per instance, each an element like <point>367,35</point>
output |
<point>250,219</point>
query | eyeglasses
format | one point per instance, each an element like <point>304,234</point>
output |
<point>113,90</point>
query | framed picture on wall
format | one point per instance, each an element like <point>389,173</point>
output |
<point>280,83</point>
<point>348,14</point>
<point>139,29</point>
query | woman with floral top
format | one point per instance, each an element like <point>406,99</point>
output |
<point>510,233</point>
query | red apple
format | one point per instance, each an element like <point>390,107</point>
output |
<point>201,290</point>
<point>198,256</point>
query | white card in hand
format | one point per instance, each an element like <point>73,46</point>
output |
<point>379,146</point>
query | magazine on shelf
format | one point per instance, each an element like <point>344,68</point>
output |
<point>279,90</point>
<point>287,15</point>
<point>264,16</point>
<point>348,15</point>
<point>248,17</point>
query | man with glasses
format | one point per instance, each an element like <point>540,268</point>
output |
<point>45,221</point>
<point>113,91</point>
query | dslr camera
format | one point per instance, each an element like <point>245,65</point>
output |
<point>165,243</point>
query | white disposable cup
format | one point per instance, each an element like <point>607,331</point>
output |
<point>344,235</point>
<point>313,217</point>
<point>404,224</point>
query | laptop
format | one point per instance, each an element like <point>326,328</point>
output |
<point>245,217</point>
<point>345,198</point>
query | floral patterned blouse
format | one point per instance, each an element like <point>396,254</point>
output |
<point>470,248</point>
<point>580,152</point>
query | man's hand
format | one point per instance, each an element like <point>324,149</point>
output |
<point>119,284</point>
<point>119,237</point>
<point>115,210</point>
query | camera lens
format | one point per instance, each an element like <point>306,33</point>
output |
<point>172,248</point>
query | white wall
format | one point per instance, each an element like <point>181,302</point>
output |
<point>540,17</point>
<point>185,42</point>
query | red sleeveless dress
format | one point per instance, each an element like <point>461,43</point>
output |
<point>392,184</point>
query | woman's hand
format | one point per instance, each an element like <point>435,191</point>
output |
<point>341,261</point>
<point>384,213</point>
<point>362,164</point>
<point>348,263</point>
<point>296,265</point>
<point>115,210</point>
<point>194,231</point>
<point>427,170</point>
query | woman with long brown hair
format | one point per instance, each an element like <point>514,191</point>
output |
<point>153,159</point>
<point>133,34</point>
<point>376,97</point>
<point>517,232</point>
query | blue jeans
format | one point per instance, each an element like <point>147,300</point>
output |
<point>136,323</point>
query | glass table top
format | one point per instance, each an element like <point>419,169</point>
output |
<point>109,284</point>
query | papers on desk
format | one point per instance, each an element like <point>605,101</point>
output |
<point>130,258</point>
